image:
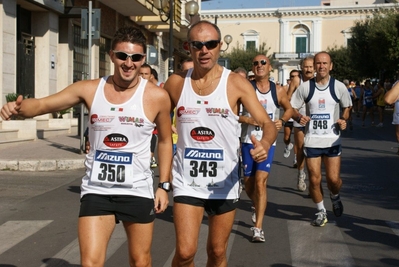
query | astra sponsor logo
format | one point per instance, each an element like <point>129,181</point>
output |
<point>187,111</point>
<point>204,154</point>
<point>221,111</point>
<point>101,119</point>
<point>126,119</point>
<point>320,117</point>
<point>202,134</point>
<point>115,140</point>
<point>111,157</point>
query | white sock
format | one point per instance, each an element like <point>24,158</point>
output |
<point>320,206</point>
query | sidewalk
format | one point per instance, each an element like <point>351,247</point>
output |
<point>51,154</point>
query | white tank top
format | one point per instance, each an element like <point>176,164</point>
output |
<point>301,110</point>
<point>267,102</point>
<point>119,159</point>
<point>322,129</point>
<point>206,162</point>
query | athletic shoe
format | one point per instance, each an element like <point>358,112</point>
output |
<point>379,125</point>
<point>321,218</point>
<point>253,215</point>
<point>337,206</point>
<point>153,163</point>
<point>257,235</point>
<point>301,182</point>
<point>295,164</point>
<point>287,150</point>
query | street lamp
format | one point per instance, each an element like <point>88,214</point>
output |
<point>227,39</point>
<point>191,9</point>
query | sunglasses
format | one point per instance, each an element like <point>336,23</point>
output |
<point>263,62</point>
<point>123,56</point>
<point>292,76</point>
<point>208,44</point>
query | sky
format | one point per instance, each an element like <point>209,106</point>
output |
<point>245,4</point>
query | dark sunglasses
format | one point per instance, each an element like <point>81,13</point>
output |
<point>123,56</point>
<point>263,62</point>
<point>292,76</point>
<point>208,44</point>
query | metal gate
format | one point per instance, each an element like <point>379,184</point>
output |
<point>26,65</point>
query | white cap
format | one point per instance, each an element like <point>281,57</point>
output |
<point>251,73</point>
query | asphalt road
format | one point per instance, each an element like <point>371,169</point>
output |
<point>38,216</point>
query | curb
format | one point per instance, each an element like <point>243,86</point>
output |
<point>42,165</point>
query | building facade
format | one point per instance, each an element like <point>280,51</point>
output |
<point>293,33</point>
<point>44,47</point>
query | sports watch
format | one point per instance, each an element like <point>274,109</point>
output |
<point>165,186</point>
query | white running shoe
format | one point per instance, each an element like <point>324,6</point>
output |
<point>379,125</point>
<point>257,235</point>
<point>287,150</point>
<point>301,182</point>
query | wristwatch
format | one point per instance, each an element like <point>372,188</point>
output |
<point>165,186</point>
<point>282,122</point>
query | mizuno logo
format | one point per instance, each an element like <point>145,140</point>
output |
<point>320,116</point>
<point>114,158</point>
<point>208,154</point>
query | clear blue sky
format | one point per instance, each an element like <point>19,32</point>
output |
<point>244,4</point>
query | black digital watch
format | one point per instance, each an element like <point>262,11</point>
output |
<point>165,186</point>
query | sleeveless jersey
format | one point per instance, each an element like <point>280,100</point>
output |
<point>270,103</point>
<point>323,108</point>
<point>119,159</point>
<point>206,164</point>
<point>368,98</point>
<point>301,110</point>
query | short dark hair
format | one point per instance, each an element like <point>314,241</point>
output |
<point>292,71</point>
<point>145,65</point>
<point>129,34</point>
<point>154,73</point>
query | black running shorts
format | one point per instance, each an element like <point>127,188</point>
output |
<point>211,206</point>
<point>125,208</point>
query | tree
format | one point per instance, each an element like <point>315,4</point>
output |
<point>240,57</point>
<point>342,64</point>
<point>374,46</point>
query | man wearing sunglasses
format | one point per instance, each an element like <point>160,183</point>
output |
<point>206,164</point>
<point>118,185</point>
<point>298,77</point>
<point>271,97</point>
<point>324,97</point>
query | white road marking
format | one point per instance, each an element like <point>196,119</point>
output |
<point>71,253</point>
<point>16,231</point>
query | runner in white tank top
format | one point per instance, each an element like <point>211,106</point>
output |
<point>307,73</point>
<point>324,98</point>
<point>205,172</point>
<point>118,185</point>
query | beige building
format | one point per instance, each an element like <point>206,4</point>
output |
<point>294,32</point>
<point>44,45</point>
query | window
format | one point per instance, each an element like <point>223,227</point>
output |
<point>250,45</point>
<point>105,62</point>
<point>301,38</point>
<point>301,44</point>
<point>251,39</point>
<point>80,56</point>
